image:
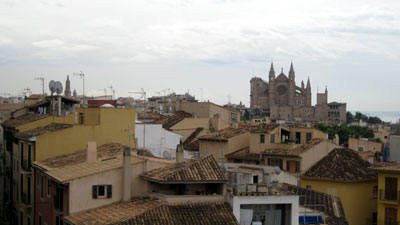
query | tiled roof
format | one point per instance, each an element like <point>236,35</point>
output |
<point>42,130</point>
<point>243,154</point>
<point>294,152</point>
<point>263,128</point>
<point>67,173</point>
<point>201,170</point>
<point>170,121</point>
<point>330,205</point>
<point>10,107</point>
<point>341,165</point>
<point>391,168</point>
<point>224,134</point>
<point>103,151</point>
<point>148,212</point>
<point>192,143</point>
<point>21,120</point>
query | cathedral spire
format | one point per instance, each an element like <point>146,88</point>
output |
<point>326,89</point>
<point>291,71</point>
<point>271,72</point>
<point>308,83</point>
<point>67,91</point>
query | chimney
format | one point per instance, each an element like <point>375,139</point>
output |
<point>336,139</point>
<point>91,154</point>
<point>180,154</point>
<point>127,171</point>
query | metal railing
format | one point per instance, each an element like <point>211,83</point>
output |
<point>249,189</point>
<point>383,197</point>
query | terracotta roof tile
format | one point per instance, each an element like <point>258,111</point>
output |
<point>202,170</point>
<point>263,128</point>
<point>170,121</point>
<point>296,151</point>
<point>22,120</point>
<point>224,134</point>
<point>147,212</point>
<point>243,154</point>
<point>391,168</point>
<point>328,204</point>
<point>43,130</point>
<point>341,165</point>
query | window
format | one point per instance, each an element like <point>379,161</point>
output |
<point>262,138</point>
<point>391,188</point>
<point>360,148</point>
<point>308,136</point>
<point>59,199</point>
<point>375,191</point>
<point>102,191</point>
<point>272,137</point>
<point>28,220</point>
<point>41,186</point>
<point>37,179</point>
<point>308,187</point>
<point>40,220</point>
<point>255,179</point>
<point>81,121</point>
<point>48,187</point>
<point>29,155</point>
<point>22,185</point>
<point>22,152</point>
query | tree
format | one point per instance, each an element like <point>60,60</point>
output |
<point>349,117</point>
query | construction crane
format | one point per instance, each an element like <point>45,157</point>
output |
<point>82,76</point>
<point>42,80</point>
<point>143,95</point>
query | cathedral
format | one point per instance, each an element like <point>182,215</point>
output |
<point>281,99</point>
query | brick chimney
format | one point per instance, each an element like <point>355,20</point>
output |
<point>91,155</point>
<point>127,171</point>
<point>180,154</point>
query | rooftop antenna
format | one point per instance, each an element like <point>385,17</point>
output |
<point>143,95</point>
<point>112,92</point>
<point>82,76</point>
<point>42,80</point>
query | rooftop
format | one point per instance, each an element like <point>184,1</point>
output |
<point>296,151</point>
<point>243,154</point>
<point>10,107</point>
<point>263,128</point>
<point>224,134</point>
<point>170,121</point>
<point>145,211</point>
<point>43,130</point>
<point>388,168</point>
<point>341,165</point>
<point>22,120</point>
<point>202,170</point>
<point>328,204</point>
<point>192,142</point>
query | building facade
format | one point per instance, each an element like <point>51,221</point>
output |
<point>281,99</point>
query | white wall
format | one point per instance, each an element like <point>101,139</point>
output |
<point>293,200</point>
<point>158,140</point>
<point>394,151</point>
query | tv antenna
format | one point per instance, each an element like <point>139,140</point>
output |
<point>82,76</point>
<point>112,92</point>
<point>42,80</point>
<point>143,95</point>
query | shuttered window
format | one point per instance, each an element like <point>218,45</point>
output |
<point>102,191</point>
<point>391,188</point>
<point>390,216</point>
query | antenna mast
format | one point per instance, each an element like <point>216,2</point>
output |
<point>143,93</point>
<point>42,80</point>
<point>82,76</point>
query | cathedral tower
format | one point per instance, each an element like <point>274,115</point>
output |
<point>271,91</point>
<point>292,86</point>
<point>308,93</point>
<point>67,87</point>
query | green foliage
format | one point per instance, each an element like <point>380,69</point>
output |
<point>246,115</point>
<point>345,131</point>
<point>360,116</point>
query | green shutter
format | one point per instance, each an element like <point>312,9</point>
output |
<point>94,193</point>
<point>109,191</point>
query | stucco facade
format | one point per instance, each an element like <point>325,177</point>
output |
<point>364,145</point>
<point>209,110</point>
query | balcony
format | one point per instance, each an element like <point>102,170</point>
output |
<point>393,198</point>
<point>26,165</point>
<point>26,200</point>
<point>254,189</point>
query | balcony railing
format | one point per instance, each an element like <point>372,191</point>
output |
<point>26,165</point>
<point>392,199</point>
<point>253,189</point>
<point>26,199</point>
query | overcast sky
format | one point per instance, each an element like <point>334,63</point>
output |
<point>212,45</point>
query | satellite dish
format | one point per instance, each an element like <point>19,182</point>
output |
<point>58,87</point>
<point>52,85</point>
<point>277,170</point>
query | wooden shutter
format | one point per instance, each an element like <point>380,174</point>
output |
<point>390,188</point>
<point>109,191</point>
<point>390,216</point>
<point>94,192</point>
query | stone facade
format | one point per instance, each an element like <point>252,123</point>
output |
<point>281,99</point>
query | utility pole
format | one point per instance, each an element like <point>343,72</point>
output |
<point>143,93</point>
<point>42,80</point>
<point>82,76</point>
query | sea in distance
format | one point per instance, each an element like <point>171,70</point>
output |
<point>383,115</point>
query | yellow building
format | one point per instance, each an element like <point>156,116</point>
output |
<point>389,194</point>
<point>34,137</point>
<point>344,174</point>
